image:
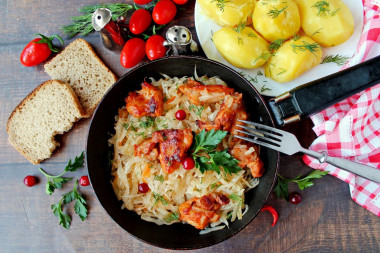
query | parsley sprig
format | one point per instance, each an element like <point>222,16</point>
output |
<point>57,182</point>
<point>206,156</point>
<point>281,189</point>
<point>79,207</point>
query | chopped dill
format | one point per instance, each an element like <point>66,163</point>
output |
<point>159,178</point>
<point>220,4</point>
<point>259,73</point>
<point>322,7</point>
<point>306,46</point>
<point>264,88</point>
<point>265,57</point>
<point>172,217</point>
<point>334,12</point>
<point>240,40</point>
<point>149,122</point>
<point>252,35</point>
<point>340,60</point>
<point>296,37</point>
<point>275,12</point>
<point>282,71</point>
<point>251,79</point>
<point>239,28</point>
<point>236,198</point>
<point>275,45</point>
<point>196,109</point>
<point>215,185</point>
<point>316,32</point>
<point>159,198</point>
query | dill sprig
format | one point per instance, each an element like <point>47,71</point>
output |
<point>274,13</point>
<point>340,60</point>
<point>306,46</point>
<point>220,4</point>
<point>82,24</point>
<point>239,28</point>
<point>275,45</point>
<point>263,56</point>
<point>322,7</point>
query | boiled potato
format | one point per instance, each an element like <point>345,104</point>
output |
<point>293,58</point>
<point>228,13</point>
<point>243,47</point>
<point>328,22</point>
<point>276,19</point>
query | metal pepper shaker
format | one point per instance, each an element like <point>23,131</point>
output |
<point>179,40</point>
<point>110,32</point>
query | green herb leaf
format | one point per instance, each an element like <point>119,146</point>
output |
<point>64,219</point>
<point>274,13</point>
<point>197,110</point>
<point>275,45</point>
<point>159,198</point>
<point>57,182</point>
<point>236,198</point>
<point>281,189</point>
<point>338,59</point>
<point>220,4</point>
<point>159,178</point>
<point>226,161</point>
<point>172,217</point>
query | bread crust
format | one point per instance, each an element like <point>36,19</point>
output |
<point>24,102</point>
<point>79,43</point>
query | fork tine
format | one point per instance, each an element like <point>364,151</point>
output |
<point>267,140</point>
<point>265,144</point>
<point>263,126</point>
<point>266,134</point>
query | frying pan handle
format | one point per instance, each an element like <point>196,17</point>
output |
<point>320,94</point>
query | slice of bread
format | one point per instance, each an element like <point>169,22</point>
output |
<point>80,67</point>
<point>50,109</point>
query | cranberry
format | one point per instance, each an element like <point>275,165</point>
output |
<point>30,181</point>
<point>295,198</point>
<point>180,115</point>
<point>143,187</point>
<point>188,163</point>
<point>84,181</point>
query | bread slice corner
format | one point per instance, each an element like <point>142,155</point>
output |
<point>80,67</point>
<point>50,109</point>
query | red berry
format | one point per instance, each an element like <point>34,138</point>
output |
<point>84,181</point>
<point>180,115</point>
<point>188,163</point>
<point>30,181</point>
<point>295,198</point>
<point>143,187</point>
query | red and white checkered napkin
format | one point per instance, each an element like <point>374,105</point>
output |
<point>351,128</point>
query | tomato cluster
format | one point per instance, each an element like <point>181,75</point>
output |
<point>135,49</point>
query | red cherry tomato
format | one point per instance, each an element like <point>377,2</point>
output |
<point>180,115</point>
<point>164,12</point>
<point>154,47</point>
<point>142,1</point>
<point>30,181</point>
<point>295,198</point>
<point>188,163</point>
<point>272,211</point>
<point>38,50</point>
<point>143,187</point>
<point>84,181</point>
<point>180,2</point>
<point>140,21</point>
<point>133,52</point>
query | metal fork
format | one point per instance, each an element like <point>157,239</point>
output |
<point>288,144</point>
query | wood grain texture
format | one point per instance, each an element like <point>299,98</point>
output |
<point>327,220</point>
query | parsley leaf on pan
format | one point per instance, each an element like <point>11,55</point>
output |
<point>79,207</point>
<point>206,156</point>
<point>281,189</point>
<point>57,182</point>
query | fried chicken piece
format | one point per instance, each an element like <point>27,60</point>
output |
<point>147,148</point>
<point>146,102</point>
<point>230,110</point>
<point>243,152</point>
<point>200,212</point>
<point>200,94</point>
<point>173,145</point>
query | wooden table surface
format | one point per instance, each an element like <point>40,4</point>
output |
<point>327,219</point>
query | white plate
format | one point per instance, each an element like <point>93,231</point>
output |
<point>205,27</point>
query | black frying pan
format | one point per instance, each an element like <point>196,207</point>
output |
<point>176,236</point>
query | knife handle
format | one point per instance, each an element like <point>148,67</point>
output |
<point>320,94</point>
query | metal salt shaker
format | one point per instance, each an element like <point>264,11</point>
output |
<point>179,40</point>
<point>109,31</point>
